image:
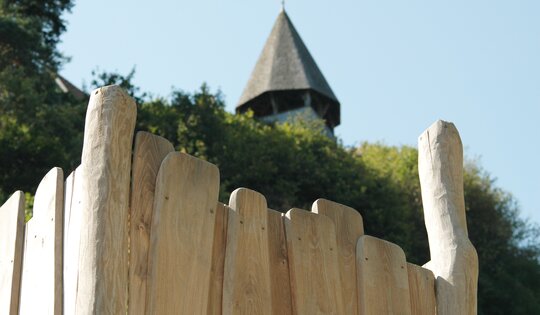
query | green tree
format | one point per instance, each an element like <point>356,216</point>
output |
<point>40,126</point>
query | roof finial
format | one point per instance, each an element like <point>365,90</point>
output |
<point>282,5</point>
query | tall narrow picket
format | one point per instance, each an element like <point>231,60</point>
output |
<point>181,242</point>
<point>454,260</point>
<point>215,297</point>
<point>41,282</point>
<point>313,263</point>
<point>11,248</point>
<point>106,165</point>
<point>246,285</point>
<point>148,153</point>
<point>279,265</point>
<point>72,237</point>
<point>349,227</point>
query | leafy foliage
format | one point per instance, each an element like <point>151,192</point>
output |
<point>39,125</point>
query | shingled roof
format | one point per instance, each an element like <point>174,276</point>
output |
<point>285,64</point>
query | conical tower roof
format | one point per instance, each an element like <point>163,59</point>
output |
<point>285,64</point>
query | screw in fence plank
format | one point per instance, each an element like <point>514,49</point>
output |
<point>106,166</point>
<point>148,153</point>
<point>279,264</point>
<point>349,227</point>
<point>421,290</point>
<point>11,248</point>
<point>72,236</point>
<point>313,263</point>
<point>246,283</point>
<point>383,285</point>
<point>181,242</point>
<point>454,261</point>
<point>215,297</point>
<point>41,282</point>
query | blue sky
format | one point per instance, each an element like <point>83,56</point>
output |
<point>396,66</point>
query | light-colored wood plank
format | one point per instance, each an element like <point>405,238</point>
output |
<point>421,290</point>
<point>11,248</point>
<point>41,282</point>
<point>41,278</point>
<point>246,285</point>
<point>454,260</point>
<point>72,236</point>
<point>279,264</point>
<point>313,263</point>
<point>349,227</point>
<point>148,153</point>
<point>106,170</point>
<point>180,254</point>
<point>383,285</point>
<point>215,298</point>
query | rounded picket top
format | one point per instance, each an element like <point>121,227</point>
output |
<point>383,284</point>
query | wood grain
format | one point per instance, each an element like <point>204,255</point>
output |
<point>349,227</point>
<point>149,151</point>
<point>183,225</point>
<point>454,260</point>
<point>421,290</point>
<point>11,248</point>
<point>246,285</point>
<point>313,263</point>
<point>279,264</point>
<point>41,282</point>
<point>215,298</point>
<point>106,166</point>
<point>72,237</point>
<point>383,286</point>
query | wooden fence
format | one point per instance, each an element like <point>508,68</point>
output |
<point>138,229</point>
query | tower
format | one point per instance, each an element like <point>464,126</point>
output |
<point>287,82</point>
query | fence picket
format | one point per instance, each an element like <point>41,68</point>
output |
<point>183,223</point>
<point>11,248</point>
<point>279,264</point>
<point>421,290</point>
<point>454,260</point>
<point>349,227</point>
<point>106,167</point>
<point>383,286</point>
<point>218,260</point>
<point>72,237</point>
<point>149,151</point>
<point>246,285</point>
<point>41,277</point>
<point>313,263</point>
